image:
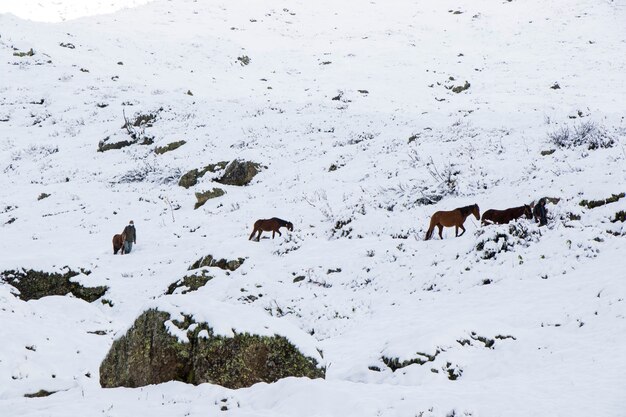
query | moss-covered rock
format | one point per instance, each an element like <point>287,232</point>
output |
<point>190,283</point>
<point>160,150</point>
<point>34,285</point>
<point>105,145</point>
<point>460,88</point>
<point>39,394</point>
<point>190,178</point>
<point>239,173</point>
<point>148,354</point>
<point>20,54</point>
<point>206,196</point>
<point>210,261</point>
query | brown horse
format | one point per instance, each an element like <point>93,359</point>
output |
<point>451,218</point>
<point>505,216</point>
<point>270,225</point>
<point>118,243</point>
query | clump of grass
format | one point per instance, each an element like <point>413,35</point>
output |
<point>587,133</point>
<point>597,203</point>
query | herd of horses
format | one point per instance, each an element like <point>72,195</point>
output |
<point>452,218</point>
<point>456,218</point>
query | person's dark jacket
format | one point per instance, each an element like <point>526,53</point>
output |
<point>131,233</point>
<point>540,212</point>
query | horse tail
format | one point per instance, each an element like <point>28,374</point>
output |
<point>431,228</point>
<point>252,234</point>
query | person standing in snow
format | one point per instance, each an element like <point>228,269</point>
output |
<point>130,237</point>
<point>540,212</point>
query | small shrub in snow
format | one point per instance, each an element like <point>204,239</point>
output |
<point>150,173</point>
<point>586,133</point>
<point>446,176</point>
<point>503,238</point>
<point>422,358</point>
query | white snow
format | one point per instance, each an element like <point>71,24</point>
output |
<point>348,176</point>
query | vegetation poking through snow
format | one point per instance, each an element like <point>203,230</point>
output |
<point>33,285</point>
<point>590,204</point>
<point>209,261</point>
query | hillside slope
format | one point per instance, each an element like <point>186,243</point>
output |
<point>363,120</point>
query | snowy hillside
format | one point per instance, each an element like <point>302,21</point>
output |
<point>359,120</point>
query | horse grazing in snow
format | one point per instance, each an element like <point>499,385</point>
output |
<point>505,216</point>
<point>270,225</point>
<point>451,218</point>
<point>118,243</point>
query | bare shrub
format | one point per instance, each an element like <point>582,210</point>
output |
<point>586,133</point>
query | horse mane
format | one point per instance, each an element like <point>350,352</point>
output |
<point>280,221</point>
<point>467,210</point>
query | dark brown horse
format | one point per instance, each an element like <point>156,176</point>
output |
<point>118,243</point>
<point>451,218</point>
<point>270,225</point>
<point>505,216</point>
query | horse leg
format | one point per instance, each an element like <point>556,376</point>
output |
<point>273,233</point>
<point>278,231</point>
<point>456,231</point>
<point>462,228</point>
<point>258,238</point>
<point>440,226</point>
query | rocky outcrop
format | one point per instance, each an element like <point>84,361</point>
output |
<point>206,196</point>
<point>149,354</point>
<point>239,173</point>
<point>160,150</point>
<point>189,283</point>
<point>190,178</point>
<point>34,285</point>
<point>224,264</point>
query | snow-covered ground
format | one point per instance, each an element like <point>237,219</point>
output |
<point>349,109</point>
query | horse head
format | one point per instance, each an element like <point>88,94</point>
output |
<point>528,211</point>
<point>290,226</point>
<point>476,211</point>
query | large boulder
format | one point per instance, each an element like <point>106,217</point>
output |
<point>239,173</point>
<point>34,285</point>
<point>191,178</point>
<point>150,354</point>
